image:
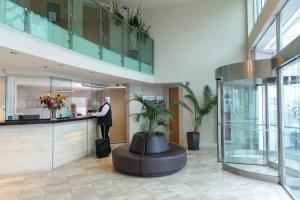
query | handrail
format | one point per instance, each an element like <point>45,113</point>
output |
<point>115,41</point>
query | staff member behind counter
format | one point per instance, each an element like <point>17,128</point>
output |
<point>105,117</point>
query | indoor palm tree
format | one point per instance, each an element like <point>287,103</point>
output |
<point>149,140</point>
<point>152,116</point>
<point>196,111</point>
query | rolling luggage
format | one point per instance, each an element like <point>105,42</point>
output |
<point>103,148</point>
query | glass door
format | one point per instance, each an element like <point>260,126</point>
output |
<point>219,120</point>
<point>271,123</point>
<point>291,126</point>
<point>244,132</point>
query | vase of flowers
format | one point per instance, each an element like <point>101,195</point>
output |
<point>53,102</point>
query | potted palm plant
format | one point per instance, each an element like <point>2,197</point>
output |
<point>135,20</point>
<point>197,111</point>
<point>116,10</point>
<point>149,140</point>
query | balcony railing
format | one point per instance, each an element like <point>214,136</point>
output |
<point>82,26</point>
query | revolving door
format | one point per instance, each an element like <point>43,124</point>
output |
<point>247,119</point>
<point>259,118</point>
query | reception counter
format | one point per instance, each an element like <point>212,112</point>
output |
<point>43,145</point>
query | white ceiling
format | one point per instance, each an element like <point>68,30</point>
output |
<point>146,4</point>
<point>31,65</point>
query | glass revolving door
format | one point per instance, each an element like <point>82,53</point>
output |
<point>248,102</point>
<point>243,135</point>
<point>249,138</point>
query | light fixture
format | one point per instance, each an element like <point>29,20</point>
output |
<point>13,52</point>
<point>45,67</point>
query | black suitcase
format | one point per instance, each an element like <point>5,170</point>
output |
<point>103,148</point>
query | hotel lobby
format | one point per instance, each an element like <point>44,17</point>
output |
<point>137,99</point>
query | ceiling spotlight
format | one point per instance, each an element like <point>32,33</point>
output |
<point>13,52</point>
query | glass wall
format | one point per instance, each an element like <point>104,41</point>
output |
<point>290,22</point>
<point>83,26</point>
<point>291,126</point>
<point>23,96</point>
<point>267,46</point>
<point>258,6</point>
<point>276,38</point>
<point>254,8</point>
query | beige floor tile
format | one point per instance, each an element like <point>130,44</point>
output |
<point>93,179</point>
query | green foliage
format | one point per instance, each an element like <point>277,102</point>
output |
<point>152,116</point>
<point>135,20</point>
<point>192,104</point>
<point>115,9</point>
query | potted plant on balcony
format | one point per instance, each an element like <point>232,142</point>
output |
<point>197,111</point>
<point>136,21</point>
<point>116,10</point>
<point>149,140</point>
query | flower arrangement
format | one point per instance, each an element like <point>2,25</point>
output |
<point>53,102</point>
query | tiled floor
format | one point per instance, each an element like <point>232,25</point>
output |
<point>92,179</point>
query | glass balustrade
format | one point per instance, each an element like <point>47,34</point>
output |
<point>84,27</point>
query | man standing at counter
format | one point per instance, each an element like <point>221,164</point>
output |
<point>105,117</point>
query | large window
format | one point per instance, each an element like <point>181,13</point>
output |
<point>291,126</point>
<point>254,8</point>
<point>290,22</point>
<point>258,6</point>
<point>267,46</point>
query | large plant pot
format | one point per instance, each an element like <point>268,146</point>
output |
<point>133,54</point>
<point>193,139</point>
<point>144,144</point>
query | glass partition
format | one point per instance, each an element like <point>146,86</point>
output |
<point>83,26</point>
<point>23,93</point>
<point>131,48</point>
<point>86,28</point>
<point>112,38</point>
<point>23,96</point>
<point>146,54</point>
<point>291,126</point>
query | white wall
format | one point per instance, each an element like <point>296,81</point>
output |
<point>194,38</point>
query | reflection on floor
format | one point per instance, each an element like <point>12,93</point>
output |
<point>93,179</point>
<point>256,169</point>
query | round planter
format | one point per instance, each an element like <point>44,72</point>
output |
<point>144,144</point>
<point>193,139</point>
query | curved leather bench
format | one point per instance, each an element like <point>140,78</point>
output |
<point>153,165</point>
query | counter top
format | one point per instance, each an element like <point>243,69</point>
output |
<point>45,121</point>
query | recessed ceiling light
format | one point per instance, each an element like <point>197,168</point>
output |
<point>13,52</point>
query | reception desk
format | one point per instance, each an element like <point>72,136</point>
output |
<point>43,145</point>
